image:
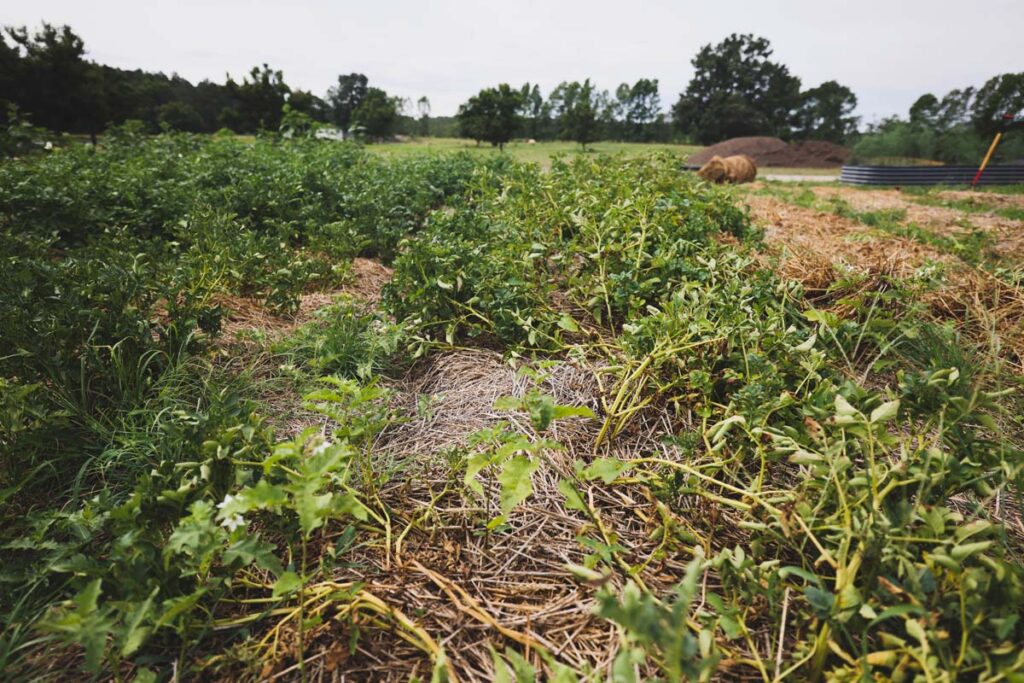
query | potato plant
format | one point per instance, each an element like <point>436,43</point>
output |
<point>827,493</point>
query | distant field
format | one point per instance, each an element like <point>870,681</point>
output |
<point>540,152</point>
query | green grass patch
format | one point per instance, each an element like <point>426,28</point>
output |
<point>538,153</point>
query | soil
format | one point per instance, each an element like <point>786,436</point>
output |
<point>768,151</point>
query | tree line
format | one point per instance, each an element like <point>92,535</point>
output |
<point>956,128</point>
<point>737,89</point>
<point>45,74</point>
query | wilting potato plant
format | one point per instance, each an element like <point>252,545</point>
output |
<point>154,521</point>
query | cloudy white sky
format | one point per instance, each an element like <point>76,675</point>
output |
<point>887,51</point>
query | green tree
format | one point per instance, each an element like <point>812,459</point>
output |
<point>578,107</point>
<point>377,114</point>
<point>955,108</point>
<point>259,99</point>
<point>309,104</point>
<point>639,106</point>
<point>826,113</point>
<point>925,110</point>
<point>423,109</point>
<point>1002,94</point>
<point>55,83</point>
<point>492,115</point>
<point>737,90</point>
<point>345,97</point>
<point>535,113</point>
<point>178,115</point>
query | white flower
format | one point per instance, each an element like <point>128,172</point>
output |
<point>322,447</point>
<point>233,522</point>
<point>224,503</point>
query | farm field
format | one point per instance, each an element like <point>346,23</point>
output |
<point>288,410</point>
<point>542,152</point>
<point>539,153</point>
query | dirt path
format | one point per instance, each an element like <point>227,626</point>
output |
<point>766,174</point>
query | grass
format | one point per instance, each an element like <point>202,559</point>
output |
<point>538,153</point>
<point>975,204</point>
<point>971,247</point>
<point>824,173</point>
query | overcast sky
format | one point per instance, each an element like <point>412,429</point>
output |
<point>887,51</point>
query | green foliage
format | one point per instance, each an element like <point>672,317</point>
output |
<point>260,98</point>
<point>19,137</point>
<point>376,114</point>
<point>346,340</point>
<point>956,129</point>
<point>652,628</point>
<point>119,438</point>
<point>737,90</point>
<point>577,107</point>
<point>345,97</point>
<point>492,115</point>
<point>488,268</point>
<point>833,473</point>
<point>640,106</point>
<point>825,113</point>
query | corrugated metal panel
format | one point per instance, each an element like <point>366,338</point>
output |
<point>931,175</point>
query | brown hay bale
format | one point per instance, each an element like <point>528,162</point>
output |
<point>734,169</point>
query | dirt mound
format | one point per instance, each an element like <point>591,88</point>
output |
<point>767,151</point>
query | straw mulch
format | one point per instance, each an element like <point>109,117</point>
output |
<point>984,199</point>
<point>1006,234</point>
<point>820,249</point>
<point>245,315</point>
<point>817,247</point>
<point>471,589</point>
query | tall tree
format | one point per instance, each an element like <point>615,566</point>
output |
<point>309,104</point>
<point>535,112</point>
<point>492,115</point>
<point>423,109</point>
<point>377,114</point>
<point>179,115</point>
<point>577,107</point>
<point>259,99</point>
<point>925,111</point>
<point>345,97</point>
<point>826,113</point>
<point>737,90</point>
<point>640,107</point>
<point>1002,94</point>
<point>55,83</point>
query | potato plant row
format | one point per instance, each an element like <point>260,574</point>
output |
<point>153,521</point>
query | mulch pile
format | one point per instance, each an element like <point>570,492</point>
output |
<point>767,151</point>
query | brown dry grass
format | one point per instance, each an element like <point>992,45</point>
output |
<point>249,314</point>
<point>984,199</point>
<point>818,248</point>
<point>471,589</point>
<point>1007,234</point>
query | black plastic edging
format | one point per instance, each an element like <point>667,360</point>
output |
<point>931,175</point>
